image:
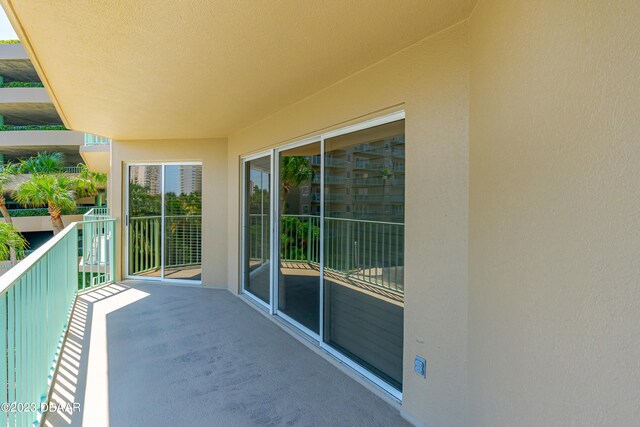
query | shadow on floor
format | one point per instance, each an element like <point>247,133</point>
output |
<point>170,355</point>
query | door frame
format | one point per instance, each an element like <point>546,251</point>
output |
<point>125,205</point>
<point>243,227</point>
<point>276,225</point>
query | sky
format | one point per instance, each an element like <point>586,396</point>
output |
<point>6,30</point>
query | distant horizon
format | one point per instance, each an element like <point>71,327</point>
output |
<point>6,30</point>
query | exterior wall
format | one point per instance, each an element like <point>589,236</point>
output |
<point>554,202</point>
<point>213,154</point>
<point>40,138</point>
<point>14,95</point>
<point>12,51</point>
<point>429,81</point>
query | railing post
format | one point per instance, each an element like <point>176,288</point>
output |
<point>112,251</point>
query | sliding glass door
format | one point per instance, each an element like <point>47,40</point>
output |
<point>256,265</point>
<point>364,248</point>
<point>164,221</point>
<point>299,235</point>
<point>323,242</point>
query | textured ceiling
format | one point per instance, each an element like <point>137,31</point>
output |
<point>204,68</point>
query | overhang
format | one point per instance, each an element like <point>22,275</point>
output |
<point>197,69</point>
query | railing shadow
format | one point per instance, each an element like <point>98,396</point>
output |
<point>80,382</point>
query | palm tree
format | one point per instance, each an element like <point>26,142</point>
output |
<point>43,162</point>
<point>49,187</point>
<point>7,174</point>
<point>294,171</point>
<point>10,241</point>
<point>55,192</point>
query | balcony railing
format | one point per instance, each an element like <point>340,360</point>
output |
<point>36,298</point>
<point>369,251</point>
<point>182,244</point>
<point>90,139</point>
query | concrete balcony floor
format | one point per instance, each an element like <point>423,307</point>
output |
<point>155,354</point>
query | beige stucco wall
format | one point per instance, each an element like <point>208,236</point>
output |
<point>521,212</point>
<point>554,300</point>
<point>430,82</point>
<point>213,155</point>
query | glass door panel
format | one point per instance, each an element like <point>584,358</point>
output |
<point>257,228</point>
<point>299,235</point>
<point>364,248</point>
<point>145,221</point>
<point>182,222</point>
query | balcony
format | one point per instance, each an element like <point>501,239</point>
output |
<point>194,356</point>
<point>95,153</point>
<point>90,139</point>
<point>15,136</point>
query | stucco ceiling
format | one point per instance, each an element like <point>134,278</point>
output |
<point>204,68</point>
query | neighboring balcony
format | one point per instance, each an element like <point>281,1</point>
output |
<point>12,137</point>
<point>24,95</point>
<point>153,354</point>
<point>95,153</point>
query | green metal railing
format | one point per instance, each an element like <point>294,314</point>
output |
<point>90,139</point>
<point>96,212</point>
<point>182,242</point>
<point>369,251</point>
<point>36,299</point>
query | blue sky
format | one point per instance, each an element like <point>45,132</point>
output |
<point>6,30</point>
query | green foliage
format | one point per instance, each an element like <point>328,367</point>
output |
<point>52,191</point>
<point>100,179</point>
<point>22,84</point>
<point>9,41</point>
<point>184,204</point>
<point>7,173</point>
<point>294,238</point>
<point>21,213</point>
<point>42,163</point>
<point>142,202</point>
<point>10,238</point>
<point>32,127</point>
<point>295,171</point>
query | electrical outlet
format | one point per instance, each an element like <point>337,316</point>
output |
<point>420,366</point>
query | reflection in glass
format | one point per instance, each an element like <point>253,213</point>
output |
<point>183,222</point>
<point>145,220</point>
<point>299,276</point>
<point>364,248</point>
<point>257,222</point>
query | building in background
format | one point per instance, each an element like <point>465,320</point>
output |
<point>29,123</point>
